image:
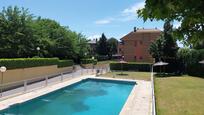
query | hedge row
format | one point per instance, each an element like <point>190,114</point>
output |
<point>102,58</point>
<point>189,61</point>
<point>15,63</point>
<point>88,61</point>
<point>145,67</point>
<point>65,63</point>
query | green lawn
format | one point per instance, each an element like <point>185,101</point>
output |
<point>129,75</point>
<point>179,95</point>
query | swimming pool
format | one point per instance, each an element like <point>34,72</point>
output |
<point>87,97</point>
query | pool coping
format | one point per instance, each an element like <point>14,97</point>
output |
<point>129,108</point>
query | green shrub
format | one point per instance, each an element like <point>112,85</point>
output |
<point>89,61</point>
<point>146,67</point>
<point>27,62</point>
<point>190,59</point>
<point>15,63</point>
<point>65,63</point>
<point>102,58</point>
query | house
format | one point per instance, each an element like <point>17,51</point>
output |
<point>93,44</point>
<point>135,45</point>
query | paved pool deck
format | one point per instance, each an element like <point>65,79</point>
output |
<point>138,102</point>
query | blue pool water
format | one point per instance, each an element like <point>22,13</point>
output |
<point>87,97</point>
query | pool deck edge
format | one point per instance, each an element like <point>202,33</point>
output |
<point>139,100</point>
<point>137,103</point>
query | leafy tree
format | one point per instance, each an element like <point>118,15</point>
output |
<point>169,45</point>
<point>82,47</point>
<point>165,47</point>
<point>112,46</point>
<point>16,34</point>
<point>188,12</point>
<point>199,45</point>
<point>21,34</point>
<point>156,48</point>
<point>102,45</point>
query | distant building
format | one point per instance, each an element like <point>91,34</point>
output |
<point>92,44</point>
<point>135,45</point>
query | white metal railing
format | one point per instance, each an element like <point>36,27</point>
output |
<point>19,87</point>
<point>153,95</point>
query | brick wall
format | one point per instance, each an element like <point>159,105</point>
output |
<point>135,45</point>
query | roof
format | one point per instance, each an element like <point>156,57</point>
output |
<point>138,31</point>
<point>92,41</point>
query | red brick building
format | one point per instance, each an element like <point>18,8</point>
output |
<point>135,45</point>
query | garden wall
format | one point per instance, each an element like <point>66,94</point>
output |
<point>145,67</point>
<point>15,75</point>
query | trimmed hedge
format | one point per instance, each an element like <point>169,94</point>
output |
<point>102,58</point>
<point>190,61</point>
<point>15,63</point>
<point>65,63</point>
<point>89,61</point>
<point>145,67</point>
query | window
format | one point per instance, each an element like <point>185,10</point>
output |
<point>120,49</point>
<point>141,57</point>
<point>123,42</point>
<point>135,57</point>
<point>141,42</point>
<point>135,43</point>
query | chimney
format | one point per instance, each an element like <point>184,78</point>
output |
<point>135,29</point>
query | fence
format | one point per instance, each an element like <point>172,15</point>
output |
<point>153,95</point>
<point>20,87</point>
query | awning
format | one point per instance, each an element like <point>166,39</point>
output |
<point>161,63</point>
<point>122,61</point>
<point>202,62</point>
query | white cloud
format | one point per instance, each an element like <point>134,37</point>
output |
<point>104,21</point>
<point>94,36</point>
<point>126,15</point>
<point>133,9</point>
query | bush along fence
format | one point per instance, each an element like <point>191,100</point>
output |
<point>189,61</point>
<point>65,63</point>
<point>33,62</point>
<point>89,61</point>
<point>145,67</point>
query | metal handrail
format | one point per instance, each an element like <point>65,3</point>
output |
<point>153,95</point>
<point>24,83</point>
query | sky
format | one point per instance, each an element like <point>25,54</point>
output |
<point>115,18</point>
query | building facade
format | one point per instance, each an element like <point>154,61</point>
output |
<point>92,44</point>
<point>135,45</point>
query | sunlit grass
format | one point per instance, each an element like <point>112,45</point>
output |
<point>179,95</point>
<point>129,75</point>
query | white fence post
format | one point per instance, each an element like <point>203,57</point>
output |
<point>46,80</point>
<point>25,86</point>
<point>61,76</point>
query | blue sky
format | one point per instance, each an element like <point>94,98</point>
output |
<point>115,18</point>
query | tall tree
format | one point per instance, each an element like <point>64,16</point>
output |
<point>188,12</point>
<point>16,34</point>
<point>165,47</point>
<point>102,45</point>
<point>21,34</point>
<point>156,48</point>
<point>112,46</point>
<point>83,48</point>
<point>169,45</point>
